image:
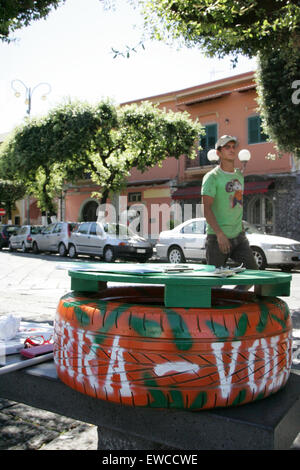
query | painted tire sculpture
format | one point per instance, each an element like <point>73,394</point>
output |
<point>123,345</point>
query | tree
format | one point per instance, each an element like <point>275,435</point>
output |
<point>268,29</point>
<point>103,141</point>
<point>10,193</point>
<point>278,91</point>
<point>17,14</point>
<point>225,26</point>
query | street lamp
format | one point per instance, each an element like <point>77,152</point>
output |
<point>244,156</point>
<point>212,156</point>
<point>29,92</point>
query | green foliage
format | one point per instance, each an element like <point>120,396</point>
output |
<point>278,71</point>
<point>104,141</point>
<point>269,29</point>
<point>17,14</point>
<point>10,193</point>
<point>224,26</point>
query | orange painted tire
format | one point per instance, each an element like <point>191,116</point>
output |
<point>123,345</point>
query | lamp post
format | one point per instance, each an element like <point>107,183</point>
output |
<point>212,156</point>
<point>244,156</point>
<point>28,100</point>
<point>29,92</point>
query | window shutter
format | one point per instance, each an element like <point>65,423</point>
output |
<point>207,142</point>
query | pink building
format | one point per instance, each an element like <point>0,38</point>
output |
<point>226,106</point>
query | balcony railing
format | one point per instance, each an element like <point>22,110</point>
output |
<point>200,160</point>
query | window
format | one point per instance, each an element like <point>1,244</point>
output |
<point>96,229</point>
<point>207,143</point>
<point>134,197</point>
<point>93,229</point>
<point>49,228</point>
<point>36,229</point>
<point>194,227</point>
<point>255,133</point>
<point>58,228</point>
<point>84,228</point>
<point>261,213</point>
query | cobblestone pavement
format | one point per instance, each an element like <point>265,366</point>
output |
<point>30,287</point>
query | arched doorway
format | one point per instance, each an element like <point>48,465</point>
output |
<point>261,213</point>
<point>89,211</point>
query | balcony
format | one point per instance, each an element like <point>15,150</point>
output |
<point>199,166</point>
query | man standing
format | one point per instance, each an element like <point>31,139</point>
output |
<point>222,196</point>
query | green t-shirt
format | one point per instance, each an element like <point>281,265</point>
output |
<point>227,191</point>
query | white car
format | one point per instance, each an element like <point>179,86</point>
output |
<point>109,241</point>
<point>54,238</point>
<point>187,242</point>
<point>22,239</point>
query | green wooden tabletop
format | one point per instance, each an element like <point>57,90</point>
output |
<point>188,288</point>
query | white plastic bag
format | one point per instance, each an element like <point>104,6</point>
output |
<point>9,327</point>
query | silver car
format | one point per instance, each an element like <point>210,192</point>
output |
<point>54,238</point>
<point>187,242</point>
<point>109,241</point>
<point>22,239</point>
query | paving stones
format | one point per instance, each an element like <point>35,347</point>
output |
<point>82,437</point>
<point>26,428</point>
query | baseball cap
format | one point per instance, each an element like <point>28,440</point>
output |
<point>224,140</point>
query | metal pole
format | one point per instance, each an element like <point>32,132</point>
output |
<point>28,94</point>
<point>25,363</point>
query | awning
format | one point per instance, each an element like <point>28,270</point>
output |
<point>190,192</point>
<point>256,187</point>
<point>246,88</point>
<point>215,96</point>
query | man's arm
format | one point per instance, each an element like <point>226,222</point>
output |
<point>223,241</point>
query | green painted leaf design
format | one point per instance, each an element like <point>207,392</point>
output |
<point>217,329</point>
<point>241,326</point>
<point>282,323</point>
<point>159,398</point>
<point>110,320</point>
<point>81,316</point>
<point>239,398</point>
<point>182,337</point>
<point>177,399</point>
<point>199,401</point>
<point>146,328</point>
<point>263,319</point>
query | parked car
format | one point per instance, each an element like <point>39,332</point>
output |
<point>5,233</point>
<point>22,239</point>
<point>187,242</point>
<point>54,238</point>
<point>109,241</point>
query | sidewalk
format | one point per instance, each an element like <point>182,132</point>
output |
<point>25,428</point>
<point>30,288</point>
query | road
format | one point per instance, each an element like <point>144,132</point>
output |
<point>30,288</point>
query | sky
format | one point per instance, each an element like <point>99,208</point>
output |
<point>69,55</point>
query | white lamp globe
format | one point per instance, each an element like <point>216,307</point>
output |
<point>244,155</point>
<point>212,155</point>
